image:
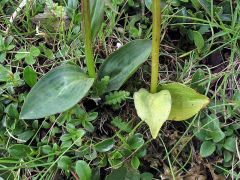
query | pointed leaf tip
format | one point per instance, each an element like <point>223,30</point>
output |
<point>124,62</point>
<point>154,109</point>
<point>57,91</point>
<point>186,102</point>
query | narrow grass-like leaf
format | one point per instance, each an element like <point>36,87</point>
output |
<point>57,91</point>
<point>120,65</point>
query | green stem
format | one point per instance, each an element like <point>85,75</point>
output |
<point>155,44</point>
<point>88,38</point>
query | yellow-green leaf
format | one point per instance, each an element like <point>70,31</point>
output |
<point>186,102</point>
<point>154,109</point>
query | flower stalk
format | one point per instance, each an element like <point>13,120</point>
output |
<point>156,35</point>
<point>88,38</point>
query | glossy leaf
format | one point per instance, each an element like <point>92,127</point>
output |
<point>135,162</point>
<point>83,170</point>
<point>120,65</point>
<point>135,141</point>
<point>97,12</point>
<point>30,76</point>
<point>59,90</point>
<point>105,145</point>
<point>154,109</point>
<point>186,102</point>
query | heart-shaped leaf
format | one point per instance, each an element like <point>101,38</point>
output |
<point>59,90</point>
<point>120,65</point>
<point>186,102</point>
<point>154,109</point>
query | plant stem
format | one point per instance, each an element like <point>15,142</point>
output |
<point>156,34</point>
<point>88,38</point>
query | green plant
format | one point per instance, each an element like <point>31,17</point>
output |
<point>75,85</point>
<point>174,101</point>
<point>101,137</point>
<point>29,56</point>
<point>5,46</point>
<point>216,139</point>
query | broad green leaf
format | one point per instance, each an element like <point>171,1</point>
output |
<point>186,102</point>
<point>198,40</point>
<point>146,176</point>
<point>197,81</point>
<point>57,91</point>
<point>5,74</point>
<point>97,12</point>
<point>30,76</point>
<point>19,150</point>
<point>12,111</point>
<point>117,174</point>
<point>207,148</point>
<point>105,145</point>
<point>26,135</point>
<point>83,170</point>
<point>30,60</point>
<point>46,149</point>
<point>22,53</point>
<point>227,156</point>
<point>96,174</point>
<point>64,163</point>
<point>135,162</point>
<point>2,56</point>
<point>154,109</point>
<point>34,51</point>
<point>230,144</point>
<point>135,141</point>
<point>120,65</point>
<point>212,128</point>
